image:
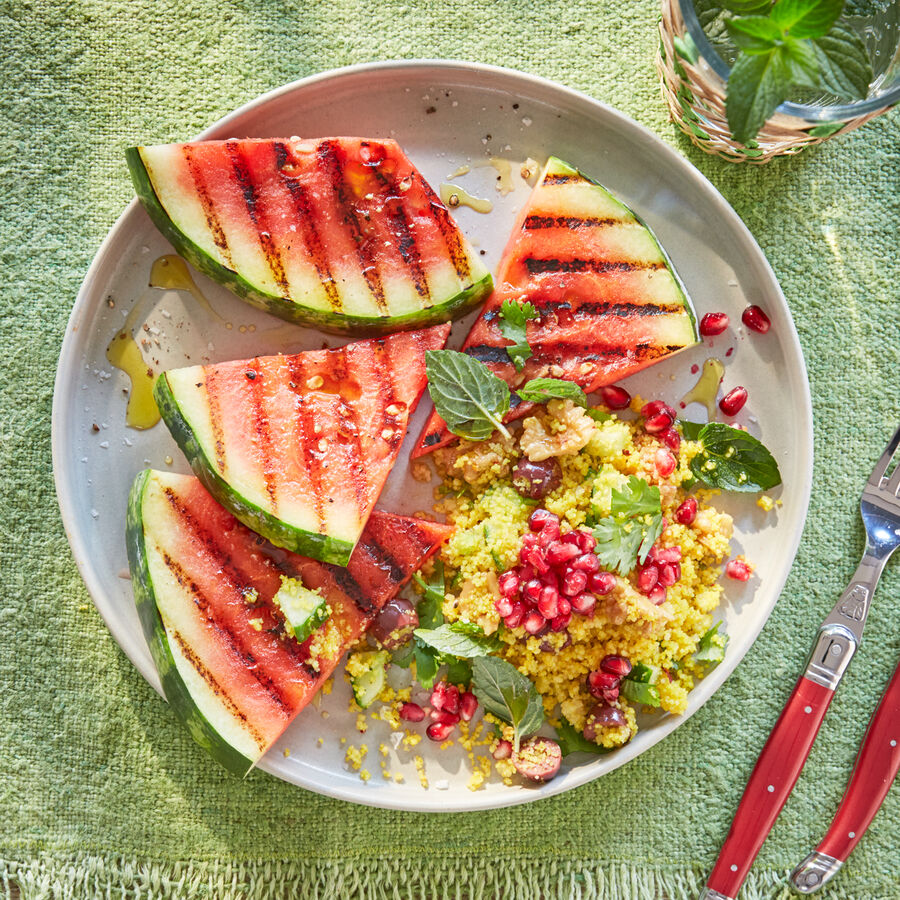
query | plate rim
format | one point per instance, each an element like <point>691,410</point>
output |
<point>403,800</point>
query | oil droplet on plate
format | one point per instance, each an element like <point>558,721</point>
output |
<point>454,196</point>
<point>170,273</point>
<point>707,387</point>
<point>124,353</point>
<point>462,170</point>
<point>504,174</point>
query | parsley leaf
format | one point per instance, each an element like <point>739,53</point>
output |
<point>508,694</point>
<point>711,648</point>
<point>540,390</point>
<point>634,527</point>
<point>513,317</point>
<point>467,395</point>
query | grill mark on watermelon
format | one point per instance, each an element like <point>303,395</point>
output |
<point>256,211</point>
<point>352,589</point>
<point>230,637</point>
<point>623,310</point>
<point>329,156</point>
<point>221,695</point>
<point>212,220</point>
<point>451,234</point>
<point>254,378</point>
<point>306,428</point>
<point>539,266</point>
<point>548,354</point>
<point>303,209</point>
<point>387,395</point>
<point>384,560</point>
<point>215,416</point>
<point>487,353</point>
<point>348,413</point>
<point>536,223</point>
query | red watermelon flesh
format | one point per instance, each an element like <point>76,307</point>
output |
<point>204,585</point>
<point>608,300</point>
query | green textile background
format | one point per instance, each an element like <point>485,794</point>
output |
<point>101,793</point>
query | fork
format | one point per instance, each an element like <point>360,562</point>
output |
<point>785,752</point>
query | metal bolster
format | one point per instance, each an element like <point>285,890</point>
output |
<point>710,894</point>
<point>814,872</point>
<point>830,656</point>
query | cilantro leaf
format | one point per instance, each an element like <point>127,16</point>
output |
<point>711,648</point>
<point>426,666</point>
<point>625,537</point>
<point>540,390</point>
<point>571,740</point>
<point>429,607</point>
<point>513,317</point>
<point>467,395</point>
<point>508,694</point>
<point>618,544</point>
<point>636,498</point>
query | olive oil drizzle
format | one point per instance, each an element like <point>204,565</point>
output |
<point>124,353</point>
<point>170,273</point>
<point>707,387</point>
<point>452,195</point>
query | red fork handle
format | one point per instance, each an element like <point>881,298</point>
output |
<point>773,778</point>
<point>874,771</point>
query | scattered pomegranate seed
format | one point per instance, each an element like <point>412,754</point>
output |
<point>657,595</point>
<point>665,463</point>
<point>615,397</point>
<point>559,552</point>
<point>672,439</point>
<point>503,750</point>
<point>738,569</point>
<point>537,559</point>
<point>647,578</point>
<point>665,554</point>
<point>653,408</point>
<point>587,563</point>
<point>440,730</point>
<point>540,517</point>
<point>468,705</point>
<point>658,424</point>
<point>445,697</point>
<point>668,575</point>
<point>412,712</point>
<point>574,582</point>
<point>534,622</point>
<point>687,512</point>
<point>611,695</point>
<point>548,603</point>
<point>599,681</point>
<point>602,583</point>
<point>733,402</point>
<point>504,607</point>
<point>550,579</point>
<point>508,584</point>
<point>713,323</point>
<point>616,665</point>
<point>756,320</point>
<point>584,604</point>
<point>529,541</point>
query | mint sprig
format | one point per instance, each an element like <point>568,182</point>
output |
<point>786,45</point>
<point>508,694</point>
<point>540,390</point>
<point>513,319</point>
<point>731,459</point>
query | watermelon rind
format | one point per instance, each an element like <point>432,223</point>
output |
<point>307,543</point>
<point>332,322</point>
<point>174,688</point>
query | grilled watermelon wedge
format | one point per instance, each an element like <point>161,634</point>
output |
<point>204,584</point>
<point>608,298</point>
<point>341,233</point>
<point>299,447</point>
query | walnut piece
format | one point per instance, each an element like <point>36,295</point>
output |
<point>563,430</point>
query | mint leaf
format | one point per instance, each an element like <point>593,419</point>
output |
<point>571,740</point>
<point>800,61</point>
<point>506,693</point>
<point>540,390</point>
<point>639,692</point>
<point>845,69</point>
<point>733,460</point>
<point>426,667</point>
<point>634,527</point>
<point>806,18</point>
<point>467,395</point>
<point>756,86</point>
<point>453,641</point>
<point>512,326</point>
<point>709,651</point>
<point>754,34</point>
<point>459,671</point>
<point>690,431</point>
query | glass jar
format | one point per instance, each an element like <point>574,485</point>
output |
<point>693,76</point>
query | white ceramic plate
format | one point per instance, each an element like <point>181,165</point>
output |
<point>445,115</point>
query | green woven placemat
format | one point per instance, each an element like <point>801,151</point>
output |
<point>101,793</point>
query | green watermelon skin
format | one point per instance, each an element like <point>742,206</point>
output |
<point>438,277</point>
<point>206,687</point>
<point>609,300</point>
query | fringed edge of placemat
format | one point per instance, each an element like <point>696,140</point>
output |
<point>85,876</point>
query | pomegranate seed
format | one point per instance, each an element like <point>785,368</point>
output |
<point>667,554</point>
<point>647,578</point>
<point>548,604</point>
<point>550,579</point>
<point>610,695</point>
<point>584,604</point>
<point>468,704</point>
<point>672,439</point>
<point>532,590</point>
<point>587,563</point>
<point>615,397</point>
<point>665,463</point>
<point>534,622</point>
<point>570,537</point>
<point>445,697</point>
<point>529,542</point>
<point>657,595</point>
<point>574,582</point>
<point>602,583</point>
<point>504,607</point>
<point>561,622</point>
<point>733,402</point>
<point>508,584</point>
<point>441,729</point>
<point>599,681</point>
<point>667,576</point>
<point>653,408</point>
<point>540,517</point>
<point>548,534</point>
<point>412,712</point>
<point>586,541</point>
<point>756,320</point>
<point>619,666</point>
<point>687,512</point>
<point>559,552</point>
<point>658,424</point>
<point>738,569</point>
<point>514,619</point>
<point>713,323</point>
<point>537,559</point>
<point>503,750</point>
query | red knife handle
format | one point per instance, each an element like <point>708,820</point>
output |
<point>873,773</point>
<point>773,778</point>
